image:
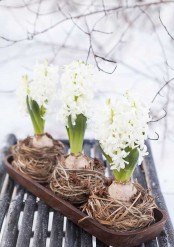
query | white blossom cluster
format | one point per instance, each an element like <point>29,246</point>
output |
<point>22,92</point>
<point>42,88</point>
<point>77,91</point>
<point>120,126</point>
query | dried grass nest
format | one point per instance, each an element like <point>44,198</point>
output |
<point>122,216</point>
<point>75,185</point>
<point>38,163</point>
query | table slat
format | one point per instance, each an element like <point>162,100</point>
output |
<point>5,197</point>
<point>152,243</point>
<point>11,139</point>
<point>25,230</point>
<point>10,233</point>
<point>97,151</point>
<point>57,233</point>
<point>72,235</point>
<point>167,236</point>
<point>140,176</point>
<point>86,239</point>
<point>40,232</point>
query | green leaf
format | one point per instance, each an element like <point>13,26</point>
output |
<point>42,111</point>
<point>108,158</point>
<point>36,118</point>
<point>36,111</point>
<point>124,175</point>
<point>76,133</point>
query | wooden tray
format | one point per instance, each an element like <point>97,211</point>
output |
<point>108,236</point>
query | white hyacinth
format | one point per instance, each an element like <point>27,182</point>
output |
<point>22,92</point>
<point>43,86</point>
<point>122,125</point>
<point>77,90</point>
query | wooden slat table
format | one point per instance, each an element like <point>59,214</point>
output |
<point>25,221</point>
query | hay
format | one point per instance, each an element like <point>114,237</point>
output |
<point>123,216</point>
<point>38,163</point>
<point>76,185</point>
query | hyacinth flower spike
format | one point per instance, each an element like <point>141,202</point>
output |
<point>121,128</point>
<point>76,97</point>
<point>36,96</point>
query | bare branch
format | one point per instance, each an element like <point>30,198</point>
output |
<point>79,27</point>
<point>103,3</point>
<point>98,31</point>
<point>106,10</point>
<point>165,28</point>
<point>157,35</point>
<point>91,49</point>
<point>160,90</point>
<point>7,91</point>
<point>156,120</point>
<point>37,16</point>
<point>154,139</point>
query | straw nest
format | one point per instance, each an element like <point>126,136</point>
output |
<point>75,185</point>
<point>123,216</point>
<point>38,163</point>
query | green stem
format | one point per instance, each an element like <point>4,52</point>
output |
<point>36,116</point>
<point>76,133</point>
<point>124,175</point>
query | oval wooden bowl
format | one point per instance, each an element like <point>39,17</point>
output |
<point>108,236</point>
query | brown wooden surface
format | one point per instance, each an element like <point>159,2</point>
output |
<point>110,237</point>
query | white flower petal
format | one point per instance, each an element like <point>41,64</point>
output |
<point>119,125</point>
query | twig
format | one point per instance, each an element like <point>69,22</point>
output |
<point>159,91</point>
<point>156,120</point>
<point>165,28</point>
<point>154,139</point>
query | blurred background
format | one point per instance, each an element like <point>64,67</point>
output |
<point>130,43</point>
